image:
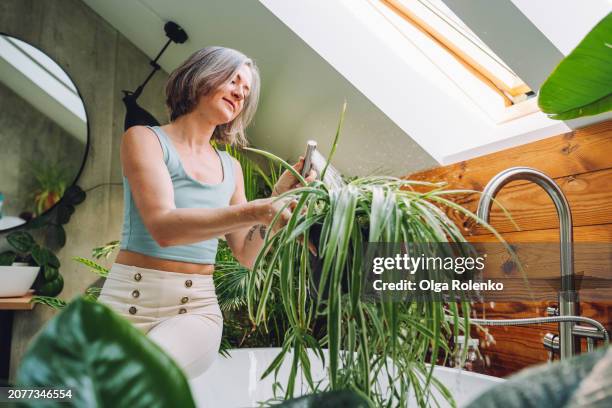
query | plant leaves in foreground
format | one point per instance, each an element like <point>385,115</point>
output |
<point>581,85</point>
<point>333,399</point>
<point>105,360</point>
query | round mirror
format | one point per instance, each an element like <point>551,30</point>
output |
<point>43,132</point>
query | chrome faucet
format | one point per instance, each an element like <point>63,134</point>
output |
<point>567,295</point>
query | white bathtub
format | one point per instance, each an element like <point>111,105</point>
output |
<point>234,381</point>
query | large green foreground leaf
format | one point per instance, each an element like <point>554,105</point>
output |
<point>557,385</point>
<point>333,399</point>
<point>581,85</point>
<point>105,361</point>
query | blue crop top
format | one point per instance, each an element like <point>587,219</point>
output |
<point>188,193</point>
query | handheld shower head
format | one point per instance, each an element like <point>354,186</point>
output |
<point>313,159</point>
<point>311,146</point>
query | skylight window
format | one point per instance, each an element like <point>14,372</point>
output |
<point>43,61</point>
<point>40,81</point>
<point>454,49</point>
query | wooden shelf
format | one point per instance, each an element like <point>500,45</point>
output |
<point>17,303</point>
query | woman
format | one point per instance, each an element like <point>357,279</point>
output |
<point>180,194</point>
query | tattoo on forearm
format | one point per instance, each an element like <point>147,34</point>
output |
<point>251,231</point>
<point>262,231</point>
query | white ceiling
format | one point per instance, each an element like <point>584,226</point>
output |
<point>564,22</point>
<point>302,94</point>
<point>314,54</point>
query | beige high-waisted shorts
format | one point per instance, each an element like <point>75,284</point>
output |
<point>178,311</point>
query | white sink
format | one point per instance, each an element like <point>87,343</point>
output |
<point>235,381</point>
<point>8,221</point>
<point>16,280</point>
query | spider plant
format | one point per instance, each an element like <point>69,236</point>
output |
<point>366,340</point>
<point>52,180</point>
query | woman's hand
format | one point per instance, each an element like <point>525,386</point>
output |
<point>271,207</point>
<point>287,181</point>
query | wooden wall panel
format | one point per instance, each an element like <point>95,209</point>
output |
<point>581,151</point>
<point>589,195</point>
<point>588,233</point>
<point>581,163</point>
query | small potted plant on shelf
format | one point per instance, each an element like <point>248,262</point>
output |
<point>27,263</point>
<point>93,291</point>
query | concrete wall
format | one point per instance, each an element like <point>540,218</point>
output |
<point>101,63</point>
<point>29,137</point>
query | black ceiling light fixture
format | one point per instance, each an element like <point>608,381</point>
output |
<point>135,114</point>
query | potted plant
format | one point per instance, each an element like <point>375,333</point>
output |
<point>28,263</point>
<point>365,340</point>
<point>92,292</point>
<point>52,180</point>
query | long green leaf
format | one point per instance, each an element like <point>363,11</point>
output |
<point>104,359</point>
<point>581,85</point>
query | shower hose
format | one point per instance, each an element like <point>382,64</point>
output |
<point>538,320</point>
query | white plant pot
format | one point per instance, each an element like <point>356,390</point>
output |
<point>236,381</point>
<point>16,280</point>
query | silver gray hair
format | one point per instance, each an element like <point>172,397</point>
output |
<point>204,71</point>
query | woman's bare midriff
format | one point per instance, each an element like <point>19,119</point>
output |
<point>144,261</point>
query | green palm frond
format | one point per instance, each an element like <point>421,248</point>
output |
<point>250,171</point>
<point>230,284</point>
